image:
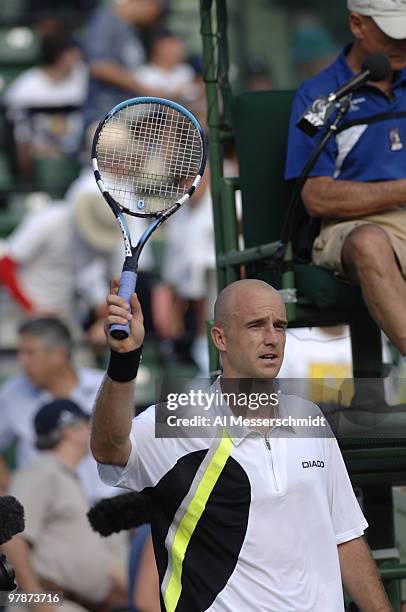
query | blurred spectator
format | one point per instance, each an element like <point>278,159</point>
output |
<point>258,77</point>
<point>399,504</point>
<point>189,273</point>
<point>143,573</point>
<point>60,259</point>
<point>318,365</point>
<point>59,82</point>
<point>39,10</point>
<point>313,48</point>
<point>99,254</point>
<point>58,549</point>
<point>114,51</point>
<point>167,70</point>
<point>41,260</point>
<point>45,357</point>
<point>321,358</point>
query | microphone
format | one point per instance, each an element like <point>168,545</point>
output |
<point>11,518</point>
<point>11,523</point>
<point>375,68</point>
<point>124,511</point>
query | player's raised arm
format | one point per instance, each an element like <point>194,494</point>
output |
<point>114,408</point>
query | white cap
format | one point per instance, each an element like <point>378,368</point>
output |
<point>389,15</point>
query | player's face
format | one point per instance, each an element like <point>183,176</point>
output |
<point>254,336</point>
<point>38,361</point>
<point>374,40</point>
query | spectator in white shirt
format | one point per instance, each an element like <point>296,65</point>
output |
<point>168,71</point>
<point>60,81</point>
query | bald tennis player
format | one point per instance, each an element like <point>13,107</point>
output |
<point>251,517</point>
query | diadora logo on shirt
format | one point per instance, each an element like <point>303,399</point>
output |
<point>312,463</point>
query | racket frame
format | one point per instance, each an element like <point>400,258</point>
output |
<point>132,253</point>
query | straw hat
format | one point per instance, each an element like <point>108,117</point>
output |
<point>95,222</point>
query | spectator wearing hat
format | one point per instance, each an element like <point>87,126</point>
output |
<point>40,259</point>
<point>58,550</point>
<point>59,260</point>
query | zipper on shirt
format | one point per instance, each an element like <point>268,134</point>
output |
<point>268,446</point>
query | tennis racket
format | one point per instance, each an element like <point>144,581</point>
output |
<point>148,157</point>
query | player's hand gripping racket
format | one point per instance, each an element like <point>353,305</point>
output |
<point>148,157</point>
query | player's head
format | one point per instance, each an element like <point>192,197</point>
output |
<point>45,346</point>
<point>379,26</point>
<point>249,329</point>
<point>62,422</point>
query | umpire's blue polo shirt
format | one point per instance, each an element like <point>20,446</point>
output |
<point>371,142</point>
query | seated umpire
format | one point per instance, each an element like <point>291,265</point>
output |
<point>358,185</point>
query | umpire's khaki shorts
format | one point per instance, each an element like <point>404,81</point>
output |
<point>328,245</point>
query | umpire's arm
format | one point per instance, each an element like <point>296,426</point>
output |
<point>114,408</point>
<point>360,577</point>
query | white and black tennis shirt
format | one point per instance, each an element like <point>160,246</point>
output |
<point>247,524</point>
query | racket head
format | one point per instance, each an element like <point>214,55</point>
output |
<point>148,154</point>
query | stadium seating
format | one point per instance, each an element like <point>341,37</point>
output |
<point>12,11</point>
<point>19,46</point>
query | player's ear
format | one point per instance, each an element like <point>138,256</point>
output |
<point>218,337</point>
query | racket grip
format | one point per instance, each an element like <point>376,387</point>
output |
<point>128,282</point>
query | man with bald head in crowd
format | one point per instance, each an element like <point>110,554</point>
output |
<point>245,516</point>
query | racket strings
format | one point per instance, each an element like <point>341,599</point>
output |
<point>148,156</point>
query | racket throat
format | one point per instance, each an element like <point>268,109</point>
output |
<point>131,264</point>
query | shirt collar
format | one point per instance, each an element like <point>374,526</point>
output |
<point>344,72</point>
<point>238,433</point>
<point>343,69</point>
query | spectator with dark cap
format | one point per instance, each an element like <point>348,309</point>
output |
<point>58,549</point>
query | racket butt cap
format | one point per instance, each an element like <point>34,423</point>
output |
<point>119,334</point>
